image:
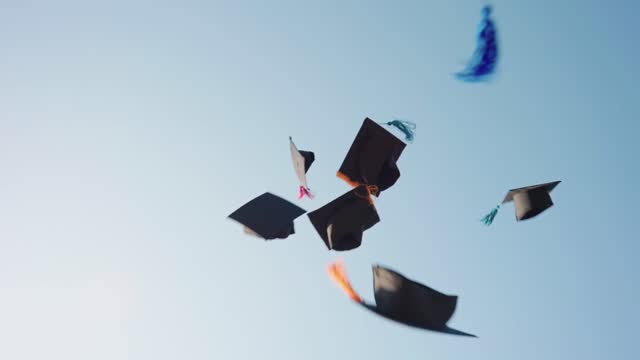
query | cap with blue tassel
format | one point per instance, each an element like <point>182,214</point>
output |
<point>529,202</point>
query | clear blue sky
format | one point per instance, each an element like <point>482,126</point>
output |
<point>129,130</point>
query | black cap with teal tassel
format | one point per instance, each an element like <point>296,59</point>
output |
<point>529,201</point>
<point>372,158</point>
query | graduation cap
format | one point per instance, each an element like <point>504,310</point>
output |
<point>268,216</point>
<point>372,158</point>
<point>302,161</point>
<point>342,222</point>
<point>529,201</point>
<point>403,300</point>
<point>484,60</point>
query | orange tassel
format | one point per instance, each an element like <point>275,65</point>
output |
<point>338,274</point>
<point>371,189</point>
<point>346,179</point>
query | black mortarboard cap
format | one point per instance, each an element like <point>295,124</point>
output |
<point>268,216</point>
<point>342,222</point>
<point>372,158</point>
<point>531,200</point>
<point>403,300</point>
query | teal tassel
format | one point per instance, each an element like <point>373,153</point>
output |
<point>488,219</point>
<point>407,127</point>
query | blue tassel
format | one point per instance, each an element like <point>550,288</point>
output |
<point>484,61</point>
<point>407,127</point>
<point>488,219</point>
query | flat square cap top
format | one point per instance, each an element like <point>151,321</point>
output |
<point>268,215</point>
<point>548,186</point>
<point>411,302</point>
<point>403,300</point>
<point>372,157</point>
<point>342,222</point>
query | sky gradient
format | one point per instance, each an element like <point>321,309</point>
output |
<point>129,130</point>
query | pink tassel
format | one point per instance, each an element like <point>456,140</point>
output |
<point>304,191</point>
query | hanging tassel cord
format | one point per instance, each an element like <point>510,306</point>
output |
<point>488,219</point>
<point>338,274</point>
<point>407,127</point>
<point>371,190</point>
<point>304,192</point>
